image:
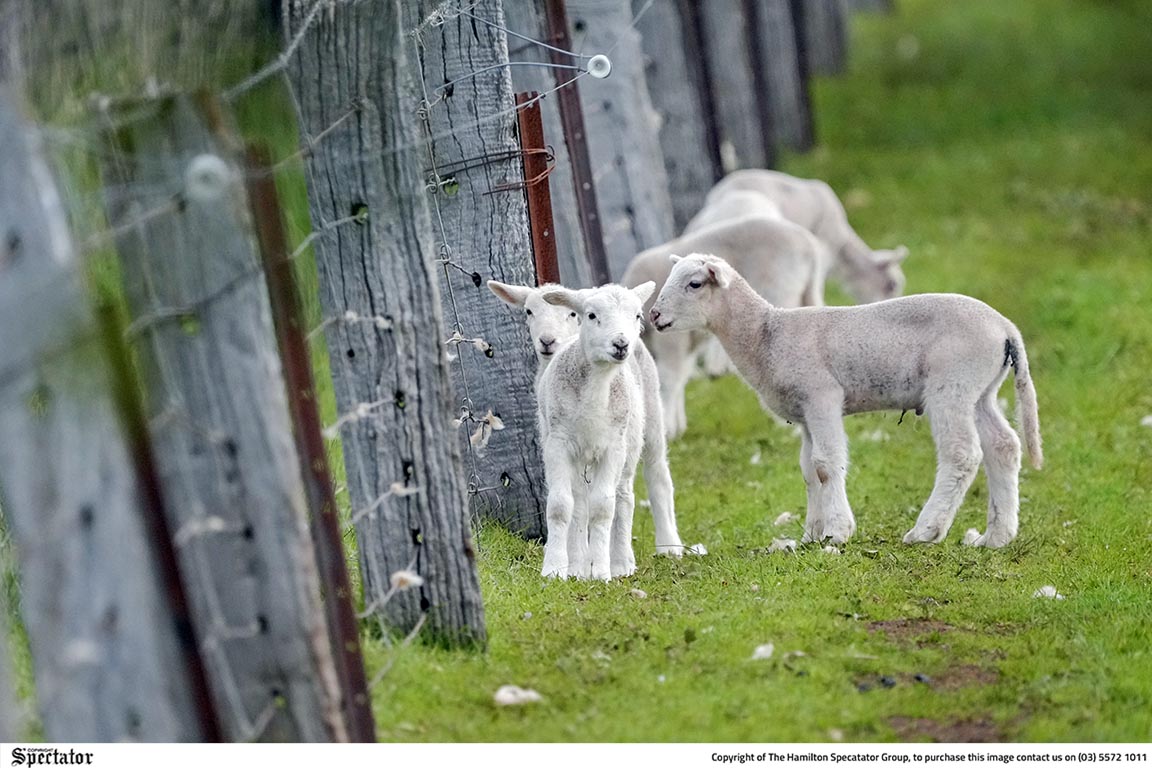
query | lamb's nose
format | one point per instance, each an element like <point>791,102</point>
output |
<point>621,343</point>
<point>546,343</point>
<point>654,315</point>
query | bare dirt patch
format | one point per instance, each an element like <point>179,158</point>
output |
<point>963,676</point>
<point>974,731</point>
<point>905,631</point>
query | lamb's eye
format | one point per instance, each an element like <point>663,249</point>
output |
<point>528,312</point>
<point>571,314</point>
<point>640,318</point>
<point>591,315</point>
<point>695,284</point>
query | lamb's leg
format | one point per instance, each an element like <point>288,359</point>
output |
<point>1001,448</point>
<point>673,367</point>
<point>601,510</point>
<point>621,558</point>
<point>658,478</point>
<point>825,424</point>
<point>558,472</point>
<point>814,520</point>
<point>579,562</point>
<point>957,461</point>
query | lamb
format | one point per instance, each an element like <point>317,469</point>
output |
<point>734,204</point>
<point>867,275</point>
<point>941,354</point>
<point>783,261</point>
<point>548,325</point>
<point>579,408</point>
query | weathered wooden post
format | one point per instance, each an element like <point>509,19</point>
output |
<point>113,656</point>
<point>472,162</point>
<point>784,74</point>
<point>741,118</point>
<point>826,34</point>
<point>526,19</point>
<point>218,417</point>
<point>324,514</point>
<point>623,134</point>
<point>376,259</point>
<point>682,97</point>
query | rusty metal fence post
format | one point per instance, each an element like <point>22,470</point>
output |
<point>536,187</point>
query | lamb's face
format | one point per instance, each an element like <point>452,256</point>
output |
<point>880,278</point>
<point>690,289</point>
<point>548,325</point>
<point>611,318</point>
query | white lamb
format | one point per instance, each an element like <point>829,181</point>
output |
<point>782,261</point>
<point>579,408</point>
<point>942,354</point>
<point>866,274</point>
<point>733,204</point>
<point>548,325</point>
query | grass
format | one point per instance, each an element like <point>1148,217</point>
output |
<point>1009,145</point>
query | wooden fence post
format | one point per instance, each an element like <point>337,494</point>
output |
<point>327,531</point>
<point>681,95</point>
<point>784,74</point>
<point>623,134</point>
<point>113,658</point>
<point>527,18</point>
<point>218,417</point>
<point>376,260</point>
<point>741,119</point>
<point>472,163</point>
<point>827,36</point>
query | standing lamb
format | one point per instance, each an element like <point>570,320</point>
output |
<point>548,325</point>
<point>942,354</point>
<point>571,418</point>
<point>783,261</point>
<point>866,274</point>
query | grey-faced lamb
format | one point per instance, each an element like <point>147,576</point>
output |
<point>942,354</point>
<point>783,261</point>
<point>866,274</point>
<point>590,411</point>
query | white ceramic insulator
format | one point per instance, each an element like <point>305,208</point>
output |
<point>207,178</point>
<point>599,66</point>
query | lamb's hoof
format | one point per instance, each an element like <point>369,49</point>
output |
<point>554,572</point>
<point>623,569</point>
<point>923,536</point>
<point>601,574</point>
<point>973,538</point>
<point>670,550</point>
<point>838,533</point>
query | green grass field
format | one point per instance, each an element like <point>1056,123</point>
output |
<point>1009,145</point>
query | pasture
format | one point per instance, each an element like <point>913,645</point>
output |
<point>1009,146</point>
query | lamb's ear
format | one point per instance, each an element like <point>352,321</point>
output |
<point>675,258</point>
<point>718,273</point>
<point>644,291</point>
<point>563,297</point>
<point>899,253</point>
<point>515,295</point>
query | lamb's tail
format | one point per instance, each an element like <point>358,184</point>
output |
<point>1026,408</point>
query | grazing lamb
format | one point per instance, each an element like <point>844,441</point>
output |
<point>734,204</point>
<point>599,413</point>
<point>782,261</point>
<point>942,354</point>
<point>866,274</point>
